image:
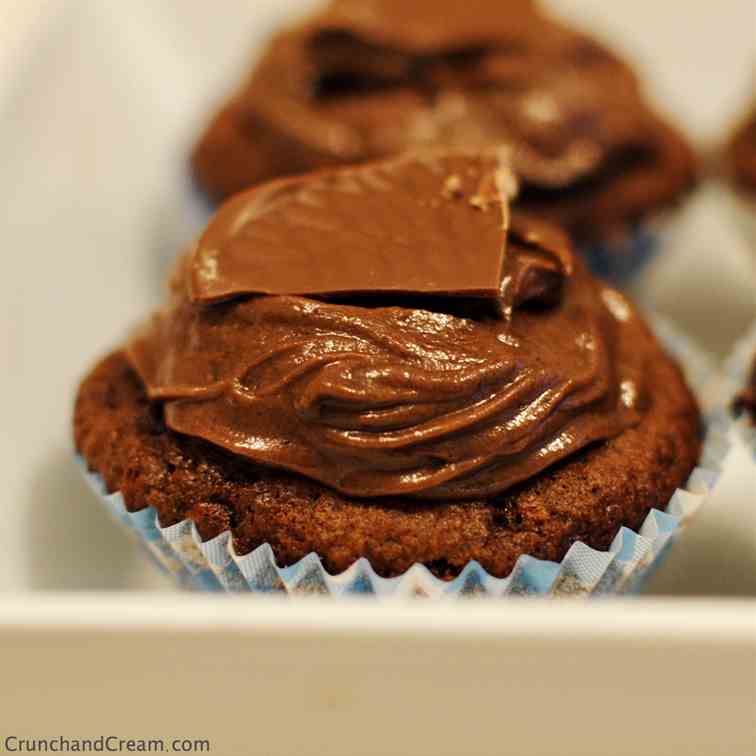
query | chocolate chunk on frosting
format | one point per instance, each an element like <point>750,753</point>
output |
<point>377,229</point>
<point>330,236</point>
<point>400,393</point>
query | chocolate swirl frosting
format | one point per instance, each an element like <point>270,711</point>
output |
<point>372,78</point>
<point>393,330</point>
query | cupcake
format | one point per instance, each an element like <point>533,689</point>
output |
<point>370,78</point>
<point>387,366</point>
<point>741,163</point>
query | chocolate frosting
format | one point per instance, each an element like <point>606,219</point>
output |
<point>371,78</point>
<point>274,348</point>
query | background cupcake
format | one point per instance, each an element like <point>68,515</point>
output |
<point>363,80</point>
<point>438,382</point>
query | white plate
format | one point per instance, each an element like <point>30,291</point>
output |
<point>97,109</point>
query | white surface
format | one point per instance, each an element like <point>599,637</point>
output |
<point>94,124</point>
<point>698,59</point>
<point>294,679</point>
<point>22,23</point>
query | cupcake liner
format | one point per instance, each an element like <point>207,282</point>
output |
<point>622,259</point>
<point>622,569</point>
<point>737,371</point>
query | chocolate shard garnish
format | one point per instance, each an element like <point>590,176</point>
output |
<point>431,224</point>
<point>388,228</point>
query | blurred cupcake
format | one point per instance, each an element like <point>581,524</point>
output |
<point>741,164</point>
<point>371,78</point>
<point>388,368</point>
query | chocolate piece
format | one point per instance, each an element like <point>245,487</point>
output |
<point>394,398</point>
<point>382,229</point>
<point>373,230</point>
<point>373,78</point>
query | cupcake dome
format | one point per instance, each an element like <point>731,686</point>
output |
<point>391,362</point>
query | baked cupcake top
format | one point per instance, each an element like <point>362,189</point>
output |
<point>394,329</point>
<point>371,78</point>
<point>742,155</point>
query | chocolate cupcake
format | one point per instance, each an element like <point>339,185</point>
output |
<point>388,363</point>
<point>371,78</point>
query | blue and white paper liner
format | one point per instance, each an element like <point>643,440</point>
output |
<point>632,557</point>
<point>622,259</point>
<point>736,373</point>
